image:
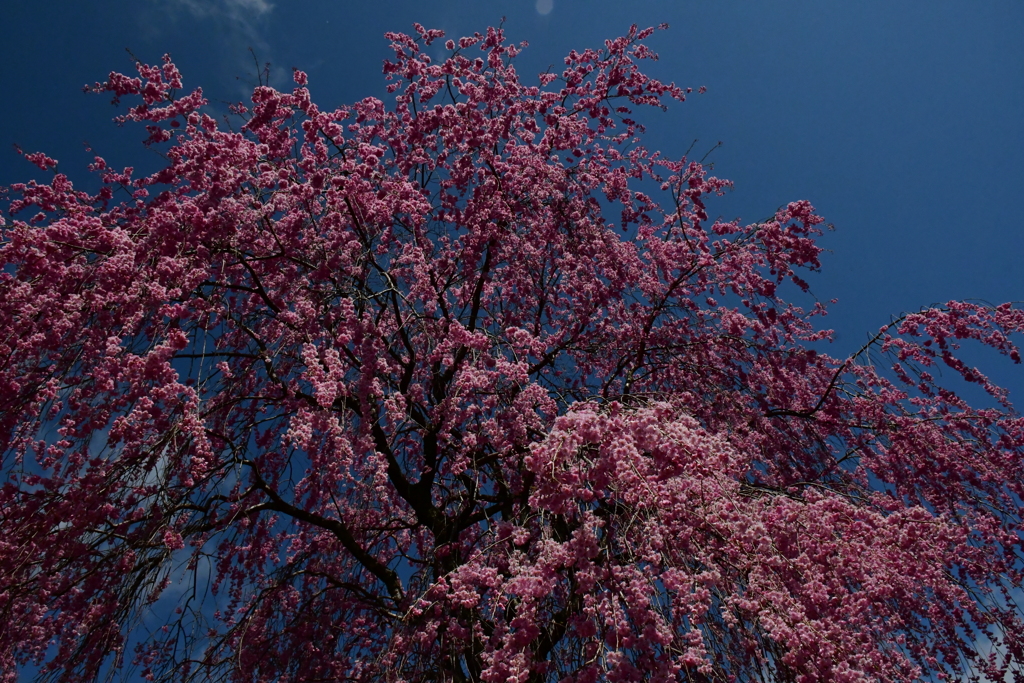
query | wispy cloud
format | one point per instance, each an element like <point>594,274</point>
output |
<point>240,11</point>
<point>242,27</point>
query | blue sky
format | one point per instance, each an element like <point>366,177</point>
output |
<point>900,121</point>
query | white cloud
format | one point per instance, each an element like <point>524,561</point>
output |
<point>258,6</point>
<point>241,25</point>
<point>238,10</point>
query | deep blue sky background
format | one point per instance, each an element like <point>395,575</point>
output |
<point>900,121</point>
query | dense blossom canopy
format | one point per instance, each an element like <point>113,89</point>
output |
<point>471,387</point>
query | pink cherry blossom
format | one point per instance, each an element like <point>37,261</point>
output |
<point>472,386</point>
